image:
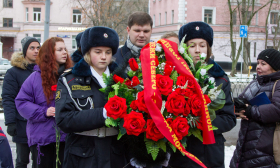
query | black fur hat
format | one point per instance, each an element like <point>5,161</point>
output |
<point>78,38</point>
<point>194,30</point>
<point>99,36</point>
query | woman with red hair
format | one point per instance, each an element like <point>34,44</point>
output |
<point>36,102</point>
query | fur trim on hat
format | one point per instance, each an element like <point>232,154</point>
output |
<point>18,60</point>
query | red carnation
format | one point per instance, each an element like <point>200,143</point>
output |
<point>116,107</point>
<point>152,131</point>
<point>168,68</point>
<point>157,62</point>
<point>180,127</point>
<point>164,84</point>
<point>169,121</point>
<point>207,99</point>
<point>133,105</point>
<point>141,103</point>
<point>196,104</point>
<point>128,83</point>
<point>117,79</point>
<point>184,92</point>
<point>53,88</point>
<point>133,64</point>
<point>181,81</point>
<point>134,123</point>
<point>177,104</point>
<point>135,81</point>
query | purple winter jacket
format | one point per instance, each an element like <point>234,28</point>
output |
<point>32,105</point>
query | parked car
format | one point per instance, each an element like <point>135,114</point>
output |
<point>4,66</point>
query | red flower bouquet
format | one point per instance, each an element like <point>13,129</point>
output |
<point>163,100</point>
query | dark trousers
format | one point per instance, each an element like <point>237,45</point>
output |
<point>22,159</point>
<point>47,158</point>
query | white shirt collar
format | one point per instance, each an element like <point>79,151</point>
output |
<point>98,77</point>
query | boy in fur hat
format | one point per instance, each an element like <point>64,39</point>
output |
<point>23,63</point>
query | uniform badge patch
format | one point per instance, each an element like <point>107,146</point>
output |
<point>79,87</point>
<point>57,95</point>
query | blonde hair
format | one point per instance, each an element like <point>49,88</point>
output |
<point>87,58</point>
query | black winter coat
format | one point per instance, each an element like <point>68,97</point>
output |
<point>6,160</point>
<point>122,54</point>
<point>210,155</point>
<point>13,80</point>
<point>255,142</point>
<point>85,151</point>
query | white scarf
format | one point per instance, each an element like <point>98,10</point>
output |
<point>98,77</point>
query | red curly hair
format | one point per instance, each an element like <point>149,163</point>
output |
<point>46,60</point>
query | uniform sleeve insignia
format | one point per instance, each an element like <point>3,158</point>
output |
<point>57,95</point>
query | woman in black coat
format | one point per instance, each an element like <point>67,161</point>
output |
<point>255,142</point>
<point>199,36</point>
<point>80,108</point>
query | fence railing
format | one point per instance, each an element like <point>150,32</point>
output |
<point>239,84</point>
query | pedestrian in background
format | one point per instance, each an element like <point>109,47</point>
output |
<point>255,141</point>
<point>199,36</point>
<point>80,105</point>
<point>6,160</point>
<point>23,64</point>
<point>172,37</point>
<point>77,55</point>
<point>36,102</point>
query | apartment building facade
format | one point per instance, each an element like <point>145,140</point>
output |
<point>170,15</point>
<point>20,18</point>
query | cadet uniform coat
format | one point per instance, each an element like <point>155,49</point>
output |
<point>85,151</point>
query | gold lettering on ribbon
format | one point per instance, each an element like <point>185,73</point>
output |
<point>168,46</point>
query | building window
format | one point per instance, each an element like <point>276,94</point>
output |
<point>159,19</point>
<point>249,14</point>
<point>7,22</point>
<point>26,15</point>
<point>36,14</point>
<point>165,18</point>
<point>273,17</point>
<point>154,20</point>
<point>8,3</point>
<point>172,17</point>
<point>74,43</point>
<point>38,37</point>
<point>209,15</point>
<point>77,16</point>
<point>234,17</point>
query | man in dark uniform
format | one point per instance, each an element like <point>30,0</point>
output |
<point>23,63</point>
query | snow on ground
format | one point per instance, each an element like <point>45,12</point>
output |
<point>1,116</point>
<point>228,154</point>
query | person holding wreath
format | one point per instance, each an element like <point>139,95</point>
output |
<point>199,36</point>
<point>80,104</point>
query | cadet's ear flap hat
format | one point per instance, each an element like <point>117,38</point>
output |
<point>78,38</point>
<point>25,42</point>
<point>272,57</point>
<point>194,30</point>
<point>99,36</point>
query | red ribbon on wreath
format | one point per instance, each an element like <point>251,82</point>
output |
<point>153,99</point>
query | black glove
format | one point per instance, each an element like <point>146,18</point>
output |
<point>240,104</point>
<point>248,112</point>
<point>12,129</point>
